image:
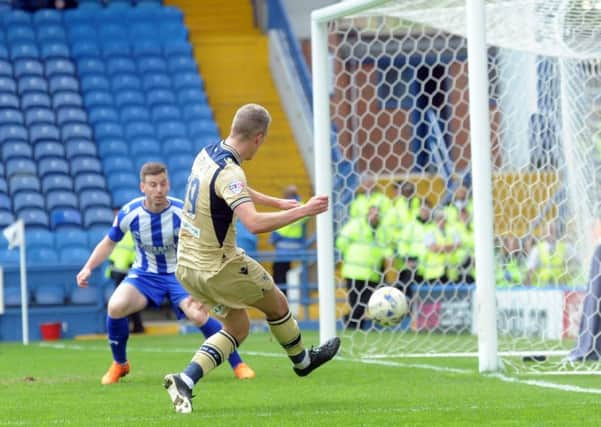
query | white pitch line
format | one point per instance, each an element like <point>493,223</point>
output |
<point>499,376</point>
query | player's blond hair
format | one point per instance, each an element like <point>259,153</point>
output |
<point>152,168</point>
<point>250,120</point>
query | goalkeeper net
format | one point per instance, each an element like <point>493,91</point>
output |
<point>397,84</point>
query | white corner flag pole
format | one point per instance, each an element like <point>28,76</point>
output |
<point>24,296</point>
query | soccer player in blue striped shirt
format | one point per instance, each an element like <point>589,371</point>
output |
<point>154,221</point>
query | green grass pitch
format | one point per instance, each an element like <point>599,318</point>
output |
<point>58,383</point>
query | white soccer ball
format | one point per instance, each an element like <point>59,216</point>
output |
<point>387,306</point>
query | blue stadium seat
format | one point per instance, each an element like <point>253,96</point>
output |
<point>179,162</point>
<point>177,48</point>
<point>4,52</point>
<point>24,50</point>
<point>32,84</point>
<point>193,112</point>
<point>48,149</point>
<point>51,33</point>
<point>138,129</point>
<point>114,164</point>
<point>67,99</point>
<point>6,68</point>
<point>98,98</point>
<point>65,216</point>
<point>19,33</point>
<point>47,294</point>
<point>35,99</point>
<point>148,157</point>
<point>122,179</point>
<point>39,116</point>
<point>79,147</point>
<point>53,165</point>
<point>134,113</point>
<point>11,116</point>
<point>16,17</point>
<point>92,82</point>
<point>34,217</point>
<point>15,150</point>
<point>84,49</point>
<point>78,16</point>
<point>112,32</point>
<point>71,236</point>
<point>201,141</point>
<point>20,166</point>
<point>63,83</point>
<point>202,127</point>
<point>112,49</point>
<point>77,255</point>
<point>6,203</point>
<point>152,64</point>
<point>85,296</point>
<point>8,85</point>
<point>156,81</point>
<point>142,31</point>
<point>43,132</point>
<point>39,237</point>
<point>160,96</point>
<point>112,147</point>
<point>9,100</point>
<point>81,32</point>
<point>191,96</point>
<point>61,199</point>
<point>98,216</point>
<point>28,67</point>
<point>122,82</point>
<point>12,294</point>
<point>6,218</point>
<point>59,67</point>
<point>95,234</point>
<point>121,196</point>
<point>114,13</point>
<point>47,17</point>
<point>13,133</point>
<point>173,31</point>
<point>177,146</point>
<point>168,14</point>
<point>142,48</point>
<point>108,130</point>
<point>3,184</point>
<point>57,182</point>
<point>76,131</point>
<point>27,200</point>
<point>90,66</point>
<point>141,14</point>
<point>89,181</point>
<point>94,198</point>
<point>103,114</point>
<point>74,115</point>
<point>171,129</point>
<point>187,81</point>
<point>54,50</point>
<point>85,165</point>
<point>141,146</point>
<point>120,65</point>
<point>128,98</point>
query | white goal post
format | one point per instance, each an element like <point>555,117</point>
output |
<point>396,99</point>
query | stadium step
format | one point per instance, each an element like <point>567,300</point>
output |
<point>234,58</point>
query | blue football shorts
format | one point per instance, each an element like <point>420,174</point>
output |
<point>157,287</point>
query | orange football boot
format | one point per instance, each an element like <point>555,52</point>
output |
<point>244,372</point>
<point>115,372</point>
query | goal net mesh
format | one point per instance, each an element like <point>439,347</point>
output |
<point>400,123</point>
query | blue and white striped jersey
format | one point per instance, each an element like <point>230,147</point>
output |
<point>155,234</point>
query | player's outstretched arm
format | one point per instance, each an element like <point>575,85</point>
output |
<point>262,222</point>
<point>100,253</point>
<point>261,199</point>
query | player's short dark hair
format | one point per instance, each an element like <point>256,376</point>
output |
<point>251,120</point>
<point>152,168</point>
